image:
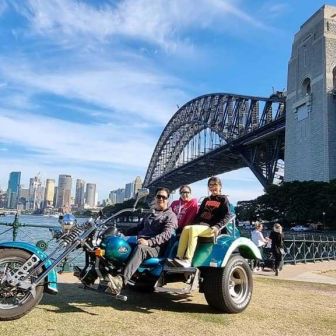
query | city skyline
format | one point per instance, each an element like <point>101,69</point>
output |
<point>68,192</point>
<point>87,87</point>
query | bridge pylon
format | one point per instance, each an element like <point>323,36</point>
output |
<point>310,142</point>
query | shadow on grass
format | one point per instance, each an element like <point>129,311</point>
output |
<point>73,298</point>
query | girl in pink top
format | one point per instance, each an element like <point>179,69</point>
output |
<point>185,208</point>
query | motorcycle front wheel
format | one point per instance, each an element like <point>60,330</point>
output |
<point>15,302</point>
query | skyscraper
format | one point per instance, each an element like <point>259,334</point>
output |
<point>120,195</point>
<point>23,199</point>
<point>36,193</point>
<point>90,195</point>
<point>13,189</point>
<point>129,190</point>
<point>137,184</point>
<point>64,191</point>
<point>80,193</point>
<point>49,193</point>
<point>113,197</point>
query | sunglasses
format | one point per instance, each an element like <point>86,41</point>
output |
<point>163,197</point>
<point>213,185</point>
<point>184,192</point>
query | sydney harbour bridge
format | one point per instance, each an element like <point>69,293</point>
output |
<point>217,133</point>
<point>220,132</point>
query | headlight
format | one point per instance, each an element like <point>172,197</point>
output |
<point>68,221</point>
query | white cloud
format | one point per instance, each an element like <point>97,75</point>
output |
<point>56,141</point>
<point>159,22</point>
<point>121,87</point>
<point>85,55</point>
<point>276,9</point>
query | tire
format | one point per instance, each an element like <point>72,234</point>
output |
<point>15,258</point>
<point>229,289</point>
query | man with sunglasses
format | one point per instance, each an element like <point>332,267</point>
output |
<point>153,233</point>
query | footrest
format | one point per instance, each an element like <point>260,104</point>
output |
<point>169,269</point>
<point>185,290</point>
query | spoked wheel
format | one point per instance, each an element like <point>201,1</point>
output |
<point>229,289</point>
<point>15,302</point>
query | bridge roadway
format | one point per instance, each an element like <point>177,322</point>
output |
<point>223,159</point>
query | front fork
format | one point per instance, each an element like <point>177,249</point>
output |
<point>32,265</point>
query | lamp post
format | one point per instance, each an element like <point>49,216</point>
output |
<point>323,214</point>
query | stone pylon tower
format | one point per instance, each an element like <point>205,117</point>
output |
<point>310,152</point>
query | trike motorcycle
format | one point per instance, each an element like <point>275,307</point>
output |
<point>219,267</point>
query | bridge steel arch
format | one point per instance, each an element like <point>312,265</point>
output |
<point>217,133</point>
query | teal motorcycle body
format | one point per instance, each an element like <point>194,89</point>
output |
<point>51,278</point>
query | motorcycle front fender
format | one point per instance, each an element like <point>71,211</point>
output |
<point>52,275</point>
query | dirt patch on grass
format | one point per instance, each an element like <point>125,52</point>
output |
<point>277,308</point>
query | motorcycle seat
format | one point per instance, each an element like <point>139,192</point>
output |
<point>152,262</point>
<point>170,252</point>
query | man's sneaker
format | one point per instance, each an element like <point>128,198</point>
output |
<point>115,284</point>
<point>182,262</point>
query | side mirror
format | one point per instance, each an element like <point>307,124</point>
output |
<point>142,192</point>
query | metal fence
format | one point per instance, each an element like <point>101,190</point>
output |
<point>305,247</point>
<point>308,248</point>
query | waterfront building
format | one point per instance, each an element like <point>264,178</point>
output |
<point>80,193</point>
<point>13,189</point>
<point>113,197</point>
<point>120,195</point>
<point>90,195</point>
<point>49,193</point>
<point>36,193</point>
<point>137,184</point>
<point>129,190</point>
<point>96,199</point>
<point>23,199</point>
<point>3,199</point>
<point>63,199</point>
<point>55,196</point>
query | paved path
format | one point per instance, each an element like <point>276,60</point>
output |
<point>321,272</point>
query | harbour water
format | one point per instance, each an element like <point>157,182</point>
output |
<point>34,234</point>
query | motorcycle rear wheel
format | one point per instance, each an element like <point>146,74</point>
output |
<point>15,302</point>
<point>229,289</point>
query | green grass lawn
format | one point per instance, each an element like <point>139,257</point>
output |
<point>277,308</point>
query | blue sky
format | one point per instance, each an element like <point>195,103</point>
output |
<point>87,87</point>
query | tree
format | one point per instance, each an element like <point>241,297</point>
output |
<point>293,202</point>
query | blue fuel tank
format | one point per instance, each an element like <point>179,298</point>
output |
<point>116,248</point>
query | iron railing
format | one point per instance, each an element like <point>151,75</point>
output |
<point>16,225</point>
<point>309,248</point>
